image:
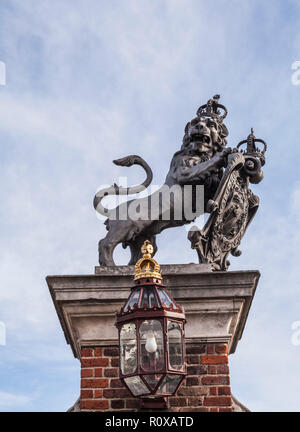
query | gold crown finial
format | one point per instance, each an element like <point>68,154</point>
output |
<point>147,248</point>
<point>147,267</point>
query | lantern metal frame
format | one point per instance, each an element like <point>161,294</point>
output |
<point>139,313</point>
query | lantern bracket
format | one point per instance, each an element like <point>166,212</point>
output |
<point>158,403</point>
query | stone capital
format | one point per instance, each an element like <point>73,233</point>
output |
<point>216,303</point>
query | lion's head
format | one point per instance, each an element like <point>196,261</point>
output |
<point>204,136</point>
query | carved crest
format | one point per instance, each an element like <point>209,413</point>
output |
<point>231,210</point>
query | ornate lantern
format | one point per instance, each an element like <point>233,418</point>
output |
<point>151,336</point>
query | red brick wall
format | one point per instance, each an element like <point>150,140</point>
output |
<point>205,388</point>
<point>101,389</point>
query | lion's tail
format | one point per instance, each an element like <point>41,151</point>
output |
<point>118,190</point>
<point>136,160</point>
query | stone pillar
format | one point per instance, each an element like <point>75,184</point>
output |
<point>216,306</point>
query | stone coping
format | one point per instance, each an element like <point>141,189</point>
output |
<point>216,303</point>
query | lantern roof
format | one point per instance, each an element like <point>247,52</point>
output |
<point>148,297</point>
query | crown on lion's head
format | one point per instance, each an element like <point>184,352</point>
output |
<point>207,133</point>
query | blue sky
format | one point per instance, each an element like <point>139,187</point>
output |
<point>90,81</point>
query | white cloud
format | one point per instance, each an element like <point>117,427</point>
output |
<point>11,400</point>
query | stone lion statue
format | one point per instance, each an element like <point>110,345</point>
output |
<point>199,161</point>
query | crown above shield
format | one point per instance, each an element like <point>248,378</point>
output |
<point>251,148</point>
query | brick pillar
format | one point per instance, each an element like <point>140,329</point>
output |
<point>205,388</point>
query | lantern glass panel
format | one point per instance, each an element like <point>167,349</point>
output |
<point>151,346</point>
<point>149,298</point>
<point>152,380</point>
<point>169,384</point>
<point>175,345</point>
<point>165,298</point>
<point>133,299</point>
<point>128,348</point>
<point>136,386</point>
